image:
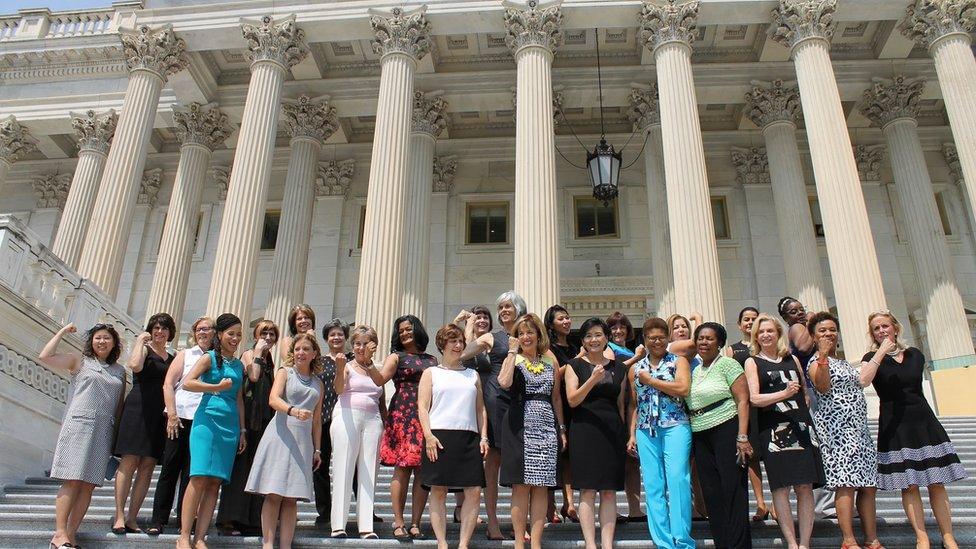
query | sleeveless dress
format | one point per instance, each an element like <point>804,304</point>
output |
<point>142,429</point>
<point>403,439</point>
<point>530,439</point>
<point>283,460</point>
<point>788,444</point>
<point>597,436</point>
<point>849,456</point>
<point>497,399</point>
<point>85,441</point>
<point>913,447</point>
<point>216,430</point>
<point>564,354</point>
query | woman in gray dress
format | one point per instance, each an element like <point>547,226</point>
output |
<point>285,459</point>
<point>85,441</point>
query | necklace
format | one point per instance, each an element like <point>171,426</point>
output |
<point>764,356</point>
<point>535,368</point>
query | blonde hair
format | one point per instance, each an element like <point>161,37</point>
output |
<point>782,344</point>
<point>191,338</point>
<point>316,365</point>
<point>533,320</point>
<point>362,330</point>
<point>872,343</point>
<point>671,320</point>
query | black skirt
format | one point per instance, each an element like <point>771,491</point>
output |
<point>458,465</point>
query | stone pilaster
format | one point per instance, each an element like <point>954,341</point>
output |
<point>94,132</point>
<point>51,190</point>
<point>534,33</point>
<point>668,30</point>
<point>775,107</point>
<point>445,168</point>
<point>274,46</point>
<point>152,55</point>
<point>401,39</point>
<point>806,26</point>
<point>309,122</point>
<point>645,115</point>
<point>15,142</point>
<point>893,105</point>
<point>200,130</point>
<point>428,124</point>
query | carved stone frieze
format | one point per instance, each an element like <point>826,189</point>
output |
<point>888,100</point>
<point>281,41</point>
<point>797,20</point>
<point>669,21</point>
<point>201,125</point>
<point>445,168</point>
<point>334,177</point>
<point>400,31</point>
<point>926,21</point>
<point>308,117</point>
<point>149,186</point>
<point>429,113</point>
<point>51,190</point>
<point>775,101</point>
<point>644,110</point>
<point>868,158</point>
<point>951,155</point>
<point>157,50</point>
<point>221,178</point>
<point>537,24</point>
<point>94,130</point>
<point>15,140</point>
<point>751,165</point>
<point>26,371</point>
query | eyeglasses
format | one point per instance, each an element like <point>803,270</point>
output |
<point>656,339</point>
<point>204,329</point>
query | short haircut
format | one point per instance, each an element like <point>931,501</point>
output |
<point>673,318</point>
<point>316,365</point>
<point>114,354</point>
<point>535,322</point>
<point>446,334</point>
<point>163,320</point>
<point>782,343</point>
<point>333,324</point>
<point>362,330</point>
<point>720,334</point>
<point>817,318</point>
<point>293,315</point>
<point>192,340</point>
<point>617,319</point>
<point>550,320</point>
<point>745,310</point>
<point>516,300</point>
<point>419,334</point>
<point>655,323</point>
<point>482,310</point>
<point>594,322</point>
<point>263,325</point>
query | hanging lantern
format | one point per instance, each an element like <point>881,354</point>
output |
<point>604,167</point>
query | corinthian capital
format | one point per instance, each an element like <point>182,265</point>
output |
<point>15,140</point>
<point>156,50</point>
<point>533,24</point>
<point>868,159</point>
<point>644,110</point>
<point>201,125</point>
<point>775,101</point>
<point>334,177</point>
<point>51,189</point>
<point>444,169</point>
<point>926,21</point>
<point>671,21</point>
<point>428,113</point>
<point>399,31</point>
<point>221,178</point>
<point>149,186</point>
<point>888,100</point>
<point>751,165</point>
<point>280,41</point>
<point>951,155</point>
<point>94,131</point>
<point>308,117</point>
<point>798,20</point>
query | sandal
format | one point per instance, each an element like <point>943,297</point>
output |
<point>400,533</point>
<point>761,515</point>
<point>500,537</point>
<point>876,544</point>
<point>131,530</point>
<point>118,531</point>
<point>850,546</point>
<point>338,534</point>
<point>368,535</point>
<point>415,532</point>
<point>154,530</point>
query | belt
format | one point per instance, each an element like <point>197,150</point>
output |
<point>542,398</point>
<point>709,408</point>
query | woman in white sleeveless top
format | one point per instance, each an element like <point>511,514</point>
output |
<point>451,411</point>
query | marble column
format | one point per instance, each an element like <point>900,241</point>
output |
<point>274,46</point>
<point>309,122</point>
<point>893,105</point>
<point>152,55</point>
<point>775,107</point>
<point>427,125</point>
<point>15,142</point>
<point>401,39</point>
<point>534,33</point>
<point>646,117</point>
<point>200,129</point>
<point>669,30</point>
<point>94,133</point>
<point>805,26</point>
<point>943,27</point>
<point>445,167</point>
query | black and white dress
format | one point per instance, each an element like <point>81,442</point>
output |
<point>530,442</point>
<point>913,447</point>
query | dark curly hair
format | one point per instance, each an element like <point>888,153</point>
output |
<point>335,323</point>
<point>720,334</point>
<point>419,334</point>
<point>114,354</point>
<point>164,320</point>
<point>817,318</point>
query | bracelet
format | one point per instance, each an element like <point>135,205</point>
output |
<point>243,431</point>
<point>513,351</point>
<point>562,427</point>
<point>288,413</point>
<point>317,452</point>
<point>742,438</point>
<point>484,439</point>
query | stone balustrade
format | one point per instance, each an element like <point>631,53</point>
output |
<point>30,24</point>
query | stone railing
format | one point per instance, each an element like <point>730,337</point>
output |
<point>32,374</point>
<point>33,24</point>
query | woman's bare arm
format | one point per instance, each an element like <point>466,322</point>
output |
<point>68,363</point>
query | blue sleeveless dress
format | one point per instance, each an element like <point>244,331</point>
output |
<point>216,425</point>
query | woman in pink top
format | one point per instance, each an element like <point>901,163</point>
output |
<point>356,429</point>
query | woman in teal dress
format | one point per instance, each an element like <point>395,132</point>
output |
<point>218,431</point>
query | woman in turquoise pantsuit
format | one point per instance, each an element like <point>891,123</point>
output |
<point>218,431</point>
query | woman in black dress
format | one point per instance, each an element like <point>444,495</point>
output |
<point>787,441</point>
<point>142,429</point>
<point>595,386</point>
<point>559,326</point>
<point>913,447</point>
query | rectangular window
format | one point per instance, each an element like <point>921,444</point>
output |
<point>593,219</point>
<point>943,213</point>
<point>818,228</point>
<point>269,232</point>
<point>487,223</point>
<point>362,227</point>
<point>720,218</point>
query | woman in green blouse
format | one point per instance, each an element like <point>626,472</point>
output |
<point>719,413</point>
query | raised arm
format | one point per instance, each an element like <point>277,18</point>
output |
<point>869,369</point>
<point>386,372</point>
<point>341,377</point>
<point>193,384</point>
<point>758,399</point>
<point>139,352</point>
<point>575,391</point>
<point>481,344</point>
<point>685,348</point>
<point>639,353</point>
<point>679,388</point>
<point>68,363</point>
<point>507,374</point>
<point>801,339</point>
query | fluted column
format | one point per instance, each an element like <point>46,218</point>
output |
<point>893,105</point>
<point>427,125</point>
<point>775,107</point>
<point>200,129</point>
<point>943,26</point>
<point>309,122</point>
<point>401,39</point>
<point>669,30</point>
<point>533,35</point>
<point>805,26</point>
<point>273,47</point>
<point>94,132</point>
<point>15,142</point>
<point>646,117</point>
<point>151,55</point>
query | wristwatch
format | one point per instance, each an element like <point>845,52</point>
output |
<point>742,438</point>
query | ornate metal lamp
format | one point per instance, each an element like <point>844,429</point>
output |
<point>604,162</point>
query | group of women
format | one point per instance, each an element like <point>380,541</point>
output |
<point>529,405</point>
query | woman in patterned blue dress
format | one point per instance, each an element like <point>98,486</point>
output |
<point>218,431</point>
<point>533,429</point>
